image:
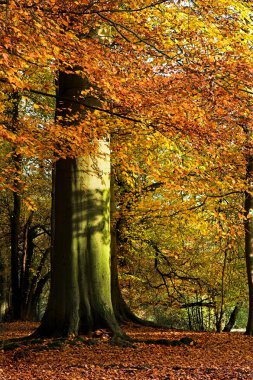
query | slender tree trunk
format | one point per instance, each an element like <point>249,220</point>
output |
<point>220,312</point>
<point>15,217</point>
<point>189,319</point>
<point>35,289</point>
<point>15,264</point>
<point>232,319</point>
<point>122,311</point>
<point>119,305</point>
<point>80,295</point>
<point>25,267</point>
<point>248,226</point>
<point>4,304</point>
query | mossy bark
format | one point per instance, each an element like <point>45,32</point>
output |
<point>80,296</point>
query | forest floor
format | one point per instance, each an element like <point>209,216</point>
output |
<point>212,356</point>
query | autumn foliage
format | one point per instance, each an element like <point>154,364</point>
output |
<point>169,84</point>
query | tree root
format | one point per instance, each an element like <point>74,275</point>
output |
<point>122,341</point>
<point>186,341</point>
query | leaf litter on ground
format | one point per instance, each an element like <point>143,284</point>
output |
<point>154,355</point>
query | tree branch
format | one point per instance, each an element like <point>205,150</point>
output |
<point>88,10</point>
<point>75,101</point>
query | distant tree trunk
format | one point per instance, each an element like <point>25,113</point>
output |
<point>232,319</point>
<point>15,217</point>
<point>248,228</point>
<point>80,295</point>
<point>117,299</point>
<point>33,285</point>
<point>30,311</point>
<point>4,289</point>
<point>15,264</point>
<point>122,311</point>
<point>220,312</point>
<point>119,305</point>
<point>25,267</point>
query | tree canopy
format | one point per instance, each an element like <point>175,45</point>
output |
<point>170,84</point>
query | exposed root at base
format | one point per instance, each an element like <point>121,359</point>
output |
<point>122,341</point>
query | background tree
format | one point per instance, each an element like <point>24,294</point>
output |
<point>22,235</point>
<point>186,232</point>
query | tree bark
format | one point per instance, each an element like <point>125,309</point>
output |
<point>15,285</point>
<point>232,319</point>
<point>122,311</point>
<point>119,305</point>
<point>80,295</point>
<point>4,288</point>
<point>25,267</point>
<point>15,217</point>
<point>248,228</point>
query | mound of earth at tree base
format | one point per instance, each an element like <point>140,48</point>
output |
<point>213,356</point>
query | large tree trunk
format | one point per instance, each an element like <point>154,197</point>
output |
<point>80,296</point>
<point>248,227</point>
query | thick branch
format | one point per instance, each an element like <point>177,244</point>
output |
<point>93,108</point>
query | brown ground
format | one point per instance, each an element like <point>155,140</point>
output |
<point>215,356</point>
